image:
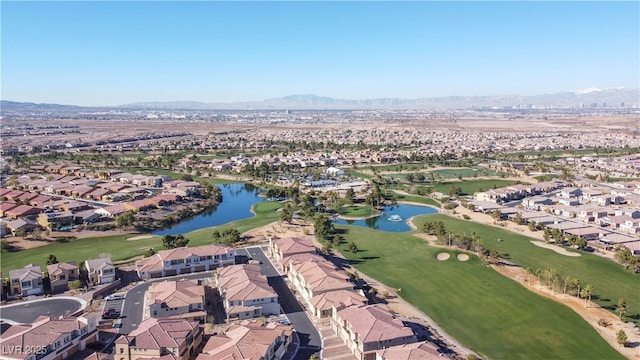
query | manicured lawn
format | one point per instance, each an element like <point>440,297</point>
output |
<point>414,198</point>
<point>356,211</point>
<point>120,249</point>
<point>610,280</point>
<point>482,309</point>
<point>469,187</point>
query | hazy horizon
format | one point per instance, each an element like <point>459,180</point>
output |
<point>115,53</point>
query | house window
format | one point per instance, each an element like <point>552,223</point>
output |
<point>26,284</point>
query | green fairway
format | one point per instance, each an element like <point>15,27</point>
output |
<point>120,249</point>
<point>356,211</point>
<point>414,198</point>
<point>610,280</point>
<point>485,311</point>
<point>469,187</point>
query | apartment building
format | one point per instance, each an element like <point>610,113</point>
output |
<point>154,338</point>
<point>367,328</point>
<point>184,260</point>
<point>311,279</point>
<point>182,298</point>
<point>280,248</point>
<point>249,340</point>
<point>48,339</point>
<point>246,292</point>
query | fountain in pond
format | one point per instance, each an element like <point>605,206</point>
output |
<point>394,218</point>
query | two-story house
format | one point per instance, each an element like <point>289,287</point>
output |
<point>246,292</point>
<point>153,338</point>
<point>185,260</point>
<point>26,281</point>
<point>176,298</point>
<point>100,271</point>
<point>61,274</point>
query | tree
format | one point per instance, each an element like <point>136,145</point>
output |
<point>410,177</point>
<point>314,357</point>
<point>323,227</point>
<point>586,293</point>
<point>149,252</point>
<point>518,219</point>
<point>287,214</point>
<point>621,308</point>
<point>350,194</point>
<point>52,259</point>
<point>124,220</point>
<point>353,248</point>
<point>496,214</point>
<point>624,256</point>
<point>174,241</point>
<point>621,338</point>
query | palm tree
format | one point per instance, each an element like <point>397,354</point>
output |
<point>586,293</point>
<point>565,282</point>
<point>576,282</point>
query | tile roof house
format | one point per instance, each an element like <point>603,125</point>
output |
<point>415,351</point>
<point>322,305</point>
<point>173,298</point>
<point>48,339</point>
<point>154,338</point>
<point>280,248</point>
<point>367,328</point>
<point>100,271</point>
<point>246,292</point>
<point>248,341</point>
<point>26,281</point>
<point>61,273</point>
<point>311,279</point>
<point>184,260</point>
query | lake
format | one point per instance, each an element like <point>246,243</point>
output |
<point>237,199</point>
<point>393,218</point>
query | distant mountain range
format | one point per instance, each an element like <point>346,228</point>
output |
<point>586,97</point>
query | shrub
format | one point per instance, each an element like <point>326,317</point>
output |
<point>466,217</point>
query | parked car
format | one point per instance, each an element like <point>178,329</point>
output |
<point>115,297</point>
<point>110,314</point>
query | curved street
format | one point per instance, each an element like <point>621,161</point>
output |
<point>29,311</point>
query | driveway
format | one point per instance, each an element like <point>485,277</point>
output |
<point>28,312</point>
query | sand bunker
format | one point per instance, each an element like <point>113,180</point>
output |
<point>556,248</point>
<point>443,256</point>
<point>141,237</point>
<point>463,257</point>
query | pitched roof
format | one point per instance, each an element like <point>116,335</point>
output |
<point>155,333</point>
<point>176,293</point>
<point>43,332</point>
<point>98,264</point>
<point>247,341</point>
<point>244,282</point>
<point>29,272</point>
<point>374,323</point>
<point>414,351</point>
<point>59,268</point>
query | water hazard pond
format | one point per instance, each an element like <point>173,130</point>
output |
<point>393,218</point>
<point>238,198</point>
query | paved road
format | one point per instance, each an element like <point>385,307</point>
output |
<point>309,338</point>
<point>29,311</point>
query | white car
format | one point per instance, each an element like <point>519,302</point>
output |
<point>115,297</point>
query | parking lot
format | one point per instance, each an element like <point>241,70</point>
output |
<point>112,308</point>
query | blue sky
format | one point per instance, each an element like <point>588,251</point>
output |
<point>111,53</point>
